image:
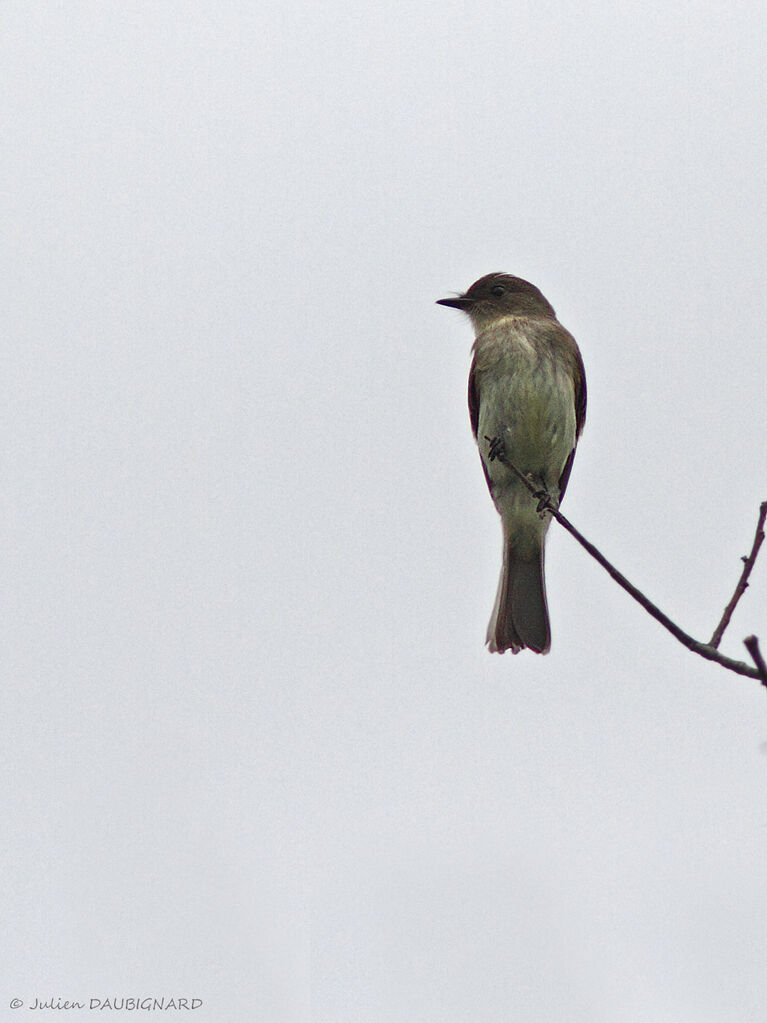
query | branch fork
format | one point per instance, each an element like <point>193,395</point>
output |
<point>708,650</point>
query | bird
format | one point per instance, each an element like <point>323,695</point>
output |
<point>527,405</point>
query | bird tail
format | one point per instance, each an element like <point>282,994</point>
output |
<point>520,617</point>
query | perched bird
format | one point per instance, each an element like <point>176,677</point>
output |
<point>527,402</point>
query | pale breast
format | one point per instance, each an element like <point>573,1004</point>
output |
<point>526,395</point>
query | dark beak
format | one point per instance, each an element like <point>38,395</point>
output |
<point>461,302</point>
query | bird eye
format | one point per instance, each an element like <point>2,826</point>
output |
<point>498,290</point>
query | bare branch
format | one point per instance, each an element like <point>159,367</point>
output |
<point>702,649</point>
<point>751,644</point>
<point>740,589</point>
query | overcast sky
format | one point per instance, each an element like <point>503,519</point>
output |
<point>253,748</point>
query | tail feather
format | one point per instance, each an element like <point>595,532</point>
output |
<point>520,617</point>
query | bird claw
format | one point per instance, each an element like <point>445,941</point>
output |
<point>497,448</point>
<point>545,501</point>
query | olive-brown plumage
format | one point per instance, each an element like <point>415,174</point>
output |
<point>527,395</point>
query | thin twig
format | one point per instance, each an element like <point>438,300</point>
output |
<point>740,589</point>
<point>751,644</point>
<point>702,649</point>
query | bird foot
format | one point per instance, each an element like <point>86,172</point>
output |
<point>545,501</point>
<point>497,448</point>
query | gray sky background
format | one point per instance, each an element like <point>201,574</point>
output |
<point>253,749</point>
